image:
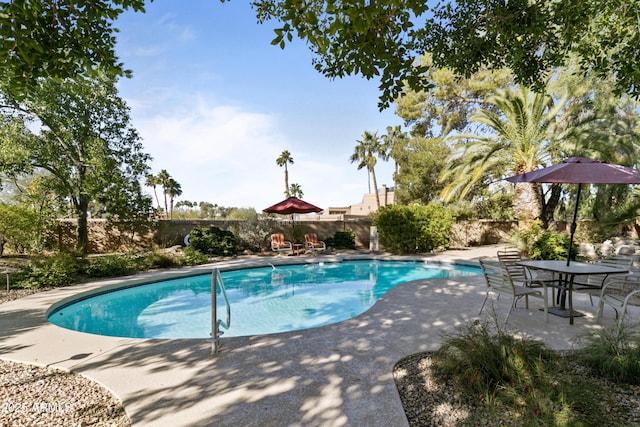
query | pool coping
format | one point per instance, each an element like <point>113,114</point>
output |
<point>339,374</point>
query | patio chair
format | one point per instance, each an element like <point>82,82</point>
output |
<point>521,275</point>
<point>279,245</point>
<point>593,283</point>
<point>619,292</point>
<point>311,243</point>
<point>499,282</point>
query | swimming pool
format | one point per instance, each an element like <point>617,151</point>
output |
<point>263,300</point>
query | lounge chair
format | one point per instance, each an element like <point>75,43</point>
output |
<point>279,244</point>
<point>311,243</point>
<point>499,282</point>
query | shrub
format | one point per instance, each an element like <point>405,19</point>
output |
<point>415,228</point>
<point>193,257</point>
<point>253,235</point>
<point>156,259</point>
<point>111,265</point>
<point>213,241</point>
<point>58,270</point>
<point>551,245</point>
<point>341,240</point>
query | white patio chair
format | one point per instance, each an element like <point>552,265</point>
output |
<point>619,292</point>
<point>499,282</point>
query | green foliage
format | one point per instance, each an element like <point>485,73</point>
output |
<point>157,259</point>
<point>213,241</point>
<point>193,257</point>
<point>61,39</point>
<point>524,238</point>
<point>341,240</point>
<point>614,353</point>
<point>253,235</point>
<point>552,245</point>
<point>515,378</point>
<point>111,266</point>
<point>54,271</point>
<point>382,39</point>
<point>415,228</point>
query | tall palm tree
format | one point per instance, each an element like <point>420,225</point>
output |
<point>284,159</point>
<point>394,143</point>
<point>522,122</point>
<point>173,189</point>
<point>163,179</point>
<point>153,181</point>
<point>365,154</point>
<point>296,191</point>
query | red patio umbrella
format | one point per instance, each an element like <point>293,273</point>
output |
<point>580,170</point>
<point>291,206</point>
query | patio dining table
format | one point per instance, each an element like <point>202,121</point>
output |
<point>567,274</point>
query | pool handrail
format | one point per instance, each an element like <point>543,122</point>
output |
<point>216,279</point>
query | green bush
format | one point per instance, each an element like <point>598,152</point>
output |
<point>213,241</point>
<point>193,257</point>
<point>341,240</point>
<point>156,259</point>
<point>415,228</point>
<point>111,266</point>
<point>58,270</point>
<point>551,245</point>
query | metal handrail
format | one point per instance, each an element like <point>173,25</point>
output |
<point>216,333</point>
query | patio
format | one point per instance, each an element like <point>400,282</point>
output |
<point>335,375</point>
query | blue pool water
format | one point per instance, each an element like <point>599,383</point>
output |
<point>263,300</point>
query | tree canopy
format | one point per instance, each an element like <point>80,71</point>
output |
<point>59,39</point>
<point>384,38</point>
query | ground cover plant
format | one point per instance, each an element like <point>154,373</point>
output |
<point>508,380</point>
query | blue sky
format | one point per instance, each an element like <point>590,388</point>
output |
<point>216,104</point>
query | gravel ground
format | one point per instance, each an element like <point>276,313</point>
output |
<point>430,403</point>
<point>35,396</point>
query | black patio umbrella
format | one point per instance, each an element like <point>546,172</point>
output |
<point>580,170</point>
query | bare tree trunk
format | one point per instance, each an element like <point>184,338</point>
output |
<point>527,202</point>
<point>82,245</point>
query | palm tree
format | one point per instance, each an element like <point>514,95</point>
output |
<point>523,139</point>
<point>153,181</point>
<point>394,145</point>
<point>163,179</point>
<point>296,191</point>
<point>284,159</point>
<point>173,189</point>
<point>365,153</point>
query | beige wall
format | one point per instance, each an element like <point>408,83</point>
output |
<point>103,239</point>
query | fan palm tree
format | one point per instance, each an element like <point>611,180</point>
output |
<point>284,159</point>
<point>163,179</point>
<point>296,191</point>
<point>365,155</point>
<point>173,189</point>
<point>153,181</point>
<point>523,138</point>
<point>394,145</point>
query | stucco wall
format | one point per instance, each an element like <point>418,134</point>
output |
<point>104,239</point>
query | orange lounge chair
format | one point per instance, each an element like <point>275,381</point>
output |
<point>311,243</point>
<point>278,244</point>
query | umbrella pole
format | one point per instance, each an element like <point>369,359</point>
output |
<point>572,230</point>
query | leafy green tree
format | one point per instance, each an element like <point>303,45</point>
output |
<point>365,154</point>
<point>85,142</point>
<point>285,159</point>
<point>422,161</point>
<point>384,38</point>
<point>59,39</point>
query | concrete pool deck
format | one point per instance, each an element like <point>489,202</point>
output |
<point>335,375</point>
